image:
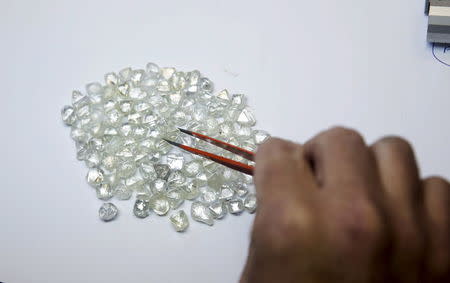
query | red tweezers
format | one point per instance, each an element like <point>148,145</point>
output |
<point>241,167</point>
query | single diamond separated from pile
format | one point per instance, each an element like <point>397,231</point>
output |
<point>179,220</point>
<point>107,212</point>
<point>118,127</point>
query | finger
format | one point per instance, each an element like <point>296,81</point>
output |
<point>282,172</point>
<point>342,161</point>
<point>437,209</point>
<point>401,187</point>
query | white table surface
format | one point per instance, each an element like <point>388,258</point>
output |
<point>305,65</point>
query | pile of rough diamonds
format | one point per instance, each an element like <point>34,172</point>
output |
<point>119,126</point>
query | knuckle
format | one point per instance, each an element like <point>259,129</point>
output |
<point>348,135</point>
<point>394,144</point>
<point>437,181</point>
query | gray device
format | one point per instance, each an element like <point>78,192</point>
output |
<point>438,12</point>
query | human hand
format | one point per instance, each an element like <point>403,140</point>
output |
<point>337,210</point>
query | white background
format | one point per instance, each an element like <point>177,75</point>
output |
<point>305,65</point>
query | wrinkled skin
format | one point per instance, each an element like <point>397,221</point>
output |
<point>338,210</point>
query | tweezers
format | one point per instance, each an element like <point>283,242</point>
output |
<point>241,167</point>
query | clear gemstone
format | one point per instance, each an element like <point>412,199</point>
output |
<point>206,85</point>
<point>94,88</point>
<point>108,212</point>
<point>176,179</point>
<point>175,161</point>
<point>178,81</point>
<point>126,169</point>
<point>194,77</point>
<point>208,195</point>
<point>235,206</point>
<point>125,74</point>
<point>125,106</point>
<point>240,189</point>
<point>162,171</point>
<point>163,86</point>
<point>94,177</point>
<point>159,186</point>
<point>111,79</point>
<point>104,192</point>
<point>142,106</point>
<point>201,180</point>
<point>215,180</point>
<point>175,197</point>
<point>223,95</point>
<point>152,70</point>
<point>82,151</point>
<point>192,168</point>
<point>201,213</point>
<point>137,93</point>
<point>142,206</point>
<point>226,193</point>
<point>121,192</point>
<point>191,191</point>
<point>238,100</point>
<point>218,209</point>
<point>179,220</point>
<point>250,203</point>
<point>167,73</point>
<point>159,204</point>
<point>137,76</point>
<point>124,89</point>
<point>246,118</point>
<point>261,136</point>
<point>147,171</point>
<point>77,97</point>
<point>68,115</point>
<point>134,182</point>
<point>110,132</point>
<point>92,159</point>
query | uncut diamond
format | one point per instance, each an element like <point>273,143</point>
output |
<point>159,204</point>
<point>94,177</point>
<point>104,192</point>
<point>240,189</point>
<point>147,171</point>
<point>246,118</point>
<point>208,195</point>
<point>162,171</point>
<point>68,115</point>
<point>250,203</point>
<point>226,193</point>
<point>191,191</point>
<point>152,70</point>
<point>218,209</point>
<point>107,212</point>
<point>159,186</point>
<point>141,207</point>
<point>201,213</point>
<point>235,206</point>
<point>192,168</point>
<point>176,179</point>
<point>179,220</point>
<point>121,192</point>
<point>111,78</point>
<point>175,197</point>
<point>175,161</point>
<point>260,136</point>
